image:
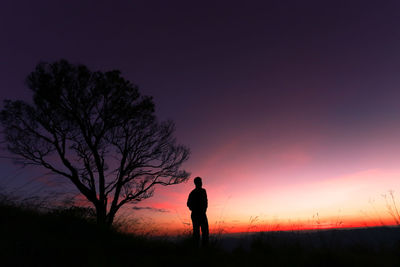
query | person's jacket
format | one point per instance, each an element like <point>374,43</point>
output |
<point>197,200</point>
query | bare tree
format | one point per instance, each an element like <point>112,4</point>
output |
<point>94,129</point>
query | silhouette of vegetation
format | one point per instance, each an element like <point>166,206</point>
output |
<point>97,131</point>
<point>70,237</point>
<point>391,206</point>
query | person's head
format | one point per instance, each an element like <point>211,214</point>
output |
<point>197,182</point>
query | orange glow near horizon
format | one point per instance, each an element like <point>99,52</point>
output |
<point>253,226</point>
<point>295,182</point>
<point>354,200</point>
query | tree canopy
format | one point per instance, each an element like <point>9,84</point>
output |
<point>95,129</point>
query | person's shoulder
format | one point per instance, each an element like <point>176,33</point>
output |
<point>193,191</point>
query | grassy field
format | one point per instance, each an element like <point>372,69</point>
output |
<point>69,237</point>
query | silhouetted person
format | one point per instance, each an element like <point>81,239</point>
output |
<point>198,203</point>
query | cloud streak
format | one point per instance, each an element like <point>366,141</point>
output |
<point>151,209</point>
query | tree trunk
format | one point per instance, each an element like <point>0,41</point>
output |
<point>110,219</point>
<point>101,212</point>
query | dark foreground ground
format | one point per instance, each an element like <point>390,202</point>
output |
<point>69,238</point>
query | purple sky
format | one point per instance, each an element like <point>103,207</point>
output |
<point>238,63</point>
<point>318,78</point>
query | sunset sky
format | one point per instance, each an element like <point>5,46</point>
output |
<point>291,109</point>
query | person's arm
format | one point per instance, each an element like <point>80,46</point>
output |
<point>189,201</point>
<point>205,201</point>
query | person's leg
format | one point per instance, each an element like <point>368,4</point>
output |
<point>196,230</point>
<point>204,231</point>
